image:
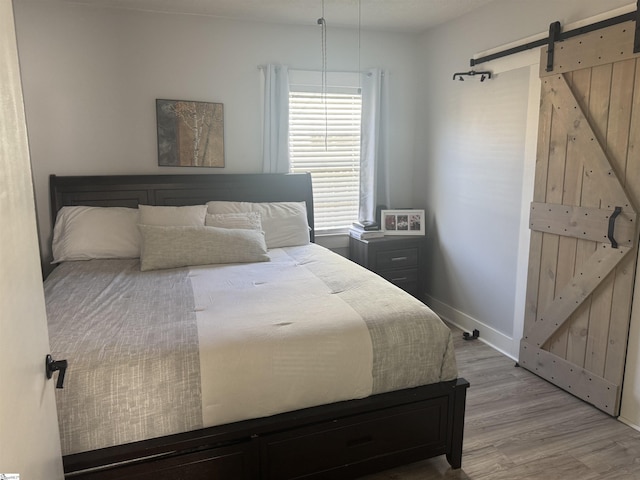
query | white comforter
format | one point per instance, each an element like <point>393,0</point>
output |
<point>156,353</point>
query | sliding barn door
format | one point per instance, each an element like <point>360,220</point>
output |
<point>584,216</point>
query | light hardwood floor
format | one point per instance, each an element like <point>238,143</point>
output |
<point>519,426</point>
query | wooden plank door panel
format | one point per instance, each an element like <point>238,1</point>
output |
<point>580,284</point>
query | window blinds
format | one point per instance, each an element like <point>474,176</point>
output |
<point>324,139</point>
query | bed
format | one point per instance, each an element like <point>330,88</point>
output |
<point>292,362</point>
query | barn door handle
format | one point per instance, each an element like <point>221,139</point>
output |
<point>612,224</point>
<point>52,365</point>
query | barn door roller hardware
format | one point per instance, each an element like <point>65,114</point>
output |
<point>472,73</point>
<point>555,35</point>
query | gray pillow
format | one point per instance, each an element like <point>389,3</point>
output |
<point>284,223</point>
<point>174,246</point>
<point>172,216</point>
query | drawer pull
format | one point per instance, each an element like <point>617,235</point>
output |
<point>400,279</point>
<point>398,259</point>
<point>356,442</point>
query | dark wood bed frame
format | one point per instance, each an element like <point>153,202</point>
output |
<point>339,440</point>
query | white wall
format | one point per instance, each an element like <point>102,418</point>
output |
<point>470,165</point>
<point>91,77</point>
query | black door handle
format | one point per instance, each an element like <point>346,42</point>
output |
<point>52,365</point>
<point>612,225</point>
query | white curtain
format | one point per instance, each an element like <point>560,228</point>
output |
<point>275,125</point>
<point>374,186</point>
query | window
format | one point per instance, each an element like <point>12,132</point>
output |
<point>324,139</point>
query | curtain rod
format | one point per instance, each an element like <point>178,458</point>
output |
<point>568,34</point>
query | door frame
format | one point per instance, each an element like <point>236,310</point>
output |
<point>30,440</point>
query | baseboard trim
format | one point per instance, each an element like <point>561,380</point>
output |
<point>489,335</point>
<point>629,423</point>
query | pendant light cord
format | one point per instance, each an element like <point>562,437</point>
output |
<point>359,38</point>
<point>323,26</point>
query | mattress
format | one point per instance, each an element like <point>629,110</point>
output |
<point>169,351</point>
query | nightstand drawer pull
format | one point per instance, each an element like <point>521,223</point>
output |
<point>399,279</point>
<point>398,259</point>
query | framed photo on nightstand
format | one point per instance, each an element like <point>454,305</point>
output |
<point>402,222</point>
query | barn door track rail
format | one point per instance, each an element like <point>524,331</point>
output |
<point>557,35</point>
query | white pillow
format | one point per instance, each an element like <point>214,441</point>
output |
<point>171,247</point>
<point>284,223</point>
<point>247,221</point>
<point>191,215</point>
<point>83,233</point>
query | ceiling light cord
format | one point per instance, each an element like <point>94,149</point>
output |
<point>359,43</point>
<point>323,27</point>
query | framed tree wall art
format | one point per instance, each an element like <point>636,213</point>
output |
<point>190,134</point>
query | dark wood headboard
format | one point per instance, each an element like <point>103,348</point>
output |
<point>178,190</point>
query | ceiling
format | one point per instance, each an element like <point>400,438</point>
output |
<point>394,15</point>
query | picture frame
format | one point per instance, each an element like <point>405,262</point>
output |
<point>402,222</point>
<point>190,134</point>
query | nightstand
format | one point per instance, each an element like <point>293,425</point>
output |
<point>399,259</point>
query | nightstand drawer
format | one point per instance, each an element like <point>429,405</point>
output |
<point>400,276</point>
<point>406,257</point>
<point>399,259</point>
<point>406,279</point>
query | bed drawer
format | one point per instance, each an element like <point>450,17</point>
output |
<point>233,462</point>
<point>315,452</point>
<point>406,257</point>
